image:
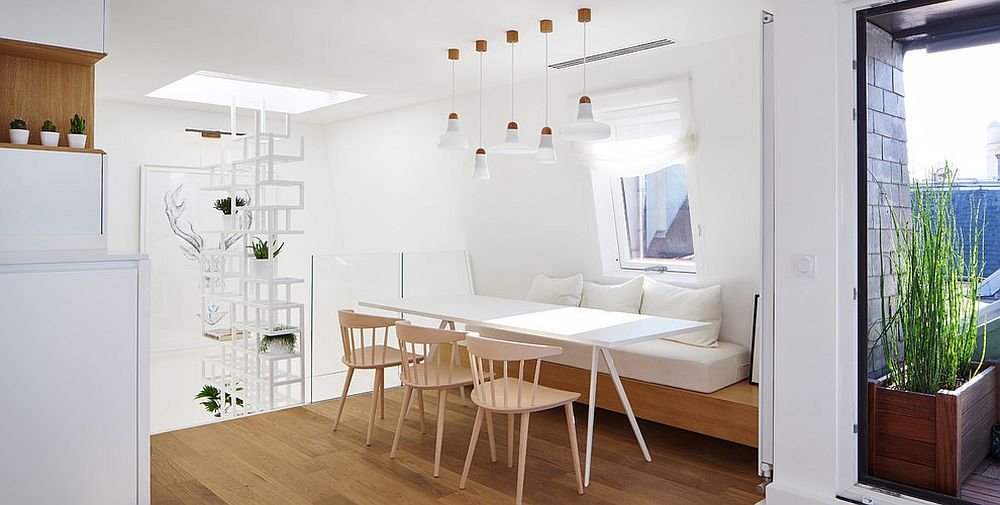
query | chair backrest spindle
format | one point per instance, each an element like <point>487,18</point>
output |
<point>358,351</point>
<point>484,355</point>
<point>427,367</point>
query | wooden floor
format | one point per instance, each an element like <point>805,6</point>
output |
<point>293,457</point>
<point>983,485</point>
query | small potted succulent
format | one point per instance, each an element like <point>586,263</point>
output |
<point>263,251</point>
<point>229,213</point>
<point>50,135</point>
<point>281,343</point>
<point>19,131</point>
<point>77,132</point>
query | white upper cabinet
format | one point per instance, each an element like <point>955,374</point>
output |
<point>76,24</point>
<point>52,200</point>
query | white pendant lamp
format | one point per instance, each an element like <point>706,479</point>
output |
<point>546,152</point>
<point>452,137</point>
<point>512,142</point>
<point>481,169</point>
<point>585,128</point>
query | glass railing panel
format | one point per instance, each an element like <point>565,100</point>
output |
<point>435,273</point>
<point>339,282</point>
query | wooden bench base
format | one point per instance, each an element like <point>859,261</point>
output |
<point>729,414</point>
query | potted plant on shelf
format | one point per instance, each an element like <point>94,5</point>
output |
<point>19,132</point>
<point>263,252</point>
<point>229,213</point>
<point>929,418</point>
<point>283,343</point>
<point>213,402</point>
<point>77,132</point>
<point>50,135</point>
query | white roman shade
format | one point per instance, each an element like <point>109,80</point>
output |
<point>652,128</point>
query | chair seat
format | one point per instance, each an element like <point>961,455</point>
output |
<point>379,356</point>
<point>436,377</point>
<point>490,396</point>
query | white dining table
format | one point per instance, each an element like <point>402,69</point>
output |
<point>601,330</point>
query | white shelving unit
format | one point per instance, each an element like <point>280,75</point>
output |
<point>259,306</point>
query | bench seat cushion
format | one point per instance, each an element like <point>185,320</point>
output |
<point>659,361</point>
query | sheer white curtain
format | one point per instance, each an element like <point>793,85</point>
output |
<point>652,128</point>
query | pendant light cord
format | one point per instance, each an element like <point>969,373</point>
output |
<point>512,81</point>
<point>584,58</point>
<point>480,99</point>
<point>546,79</point>
<point>453,85</point>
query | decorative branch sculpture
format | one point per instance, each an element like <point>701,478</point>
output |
<point>173,206</point>
<point>193,246</point>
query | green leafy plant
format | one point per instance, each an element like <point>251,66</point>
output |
<point>47,126</point>
<point>225,205</point>
<point>261,248</point>
<point>213,399</point>
<point>18,124</point>
<point>929,328</point>
<point>77,125</point>
<point>284,341</point>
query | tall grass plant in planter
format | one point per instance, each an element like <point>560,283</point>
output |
<point>929,418</point>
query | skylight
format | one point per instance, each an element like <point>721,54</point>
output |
<point>220,89</point>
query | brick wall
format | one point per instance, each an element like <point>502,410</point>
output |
<point>888,176</point>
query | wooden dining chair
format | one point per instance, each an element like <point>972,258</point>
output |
<point>364,350</point>
<point>499,386</point>
<point>436,372</point>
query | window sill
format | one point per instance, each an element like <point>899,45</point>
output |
<point>862,492</point>
<point>673,277</point>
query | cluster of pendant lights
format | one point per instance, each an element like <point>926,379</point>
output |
<point>585,128</point>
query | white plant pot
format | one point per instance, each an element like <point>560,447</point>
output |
<point>18,136</point>
<point>50,139</point>
<point>262,268</point>
<point>77,140</point>
<point>229,221</point>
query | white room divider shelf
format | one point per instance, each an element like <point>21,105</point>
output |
<point>261,306</point>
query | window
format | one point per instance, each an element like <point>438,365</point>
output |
<point>646,163</point>
<point>655,226</point>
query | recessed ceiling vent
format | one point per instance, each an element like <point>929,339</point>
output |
<point>613,53</point>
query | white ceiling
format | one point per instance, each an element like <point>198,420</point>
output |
<point>392,50</point>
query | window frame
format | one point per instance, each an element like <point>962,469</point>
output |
<point>609,208</point>
<point>608,215</point>
<point>625,260</point>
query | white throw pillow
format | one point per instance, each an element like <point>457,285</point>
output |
<point>705,305</point>
<point>566,291</point>
<point>624,297</point>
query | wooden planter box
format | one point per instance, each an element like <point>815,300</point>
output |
<point>931,441</point>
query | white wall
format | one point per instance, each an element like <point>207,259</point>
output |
<point>394,189</point>
<point>135,134</point>
<point>815,341</point>
<point>403,192</point>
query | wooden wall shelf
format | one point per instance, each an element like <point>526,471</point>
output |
<point>48,53</point>
<point>43,82</point>
<point>36,147</point>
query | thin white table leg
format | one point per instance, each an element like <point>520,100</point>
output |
<point>624,398</point>
<point>590,416</point>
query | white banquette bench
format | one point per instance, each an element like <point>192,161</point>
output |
<point>693,381</point>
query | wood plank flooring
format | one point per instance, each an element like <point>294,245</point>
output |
<point>292,457</point>
<point>983,484</point>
